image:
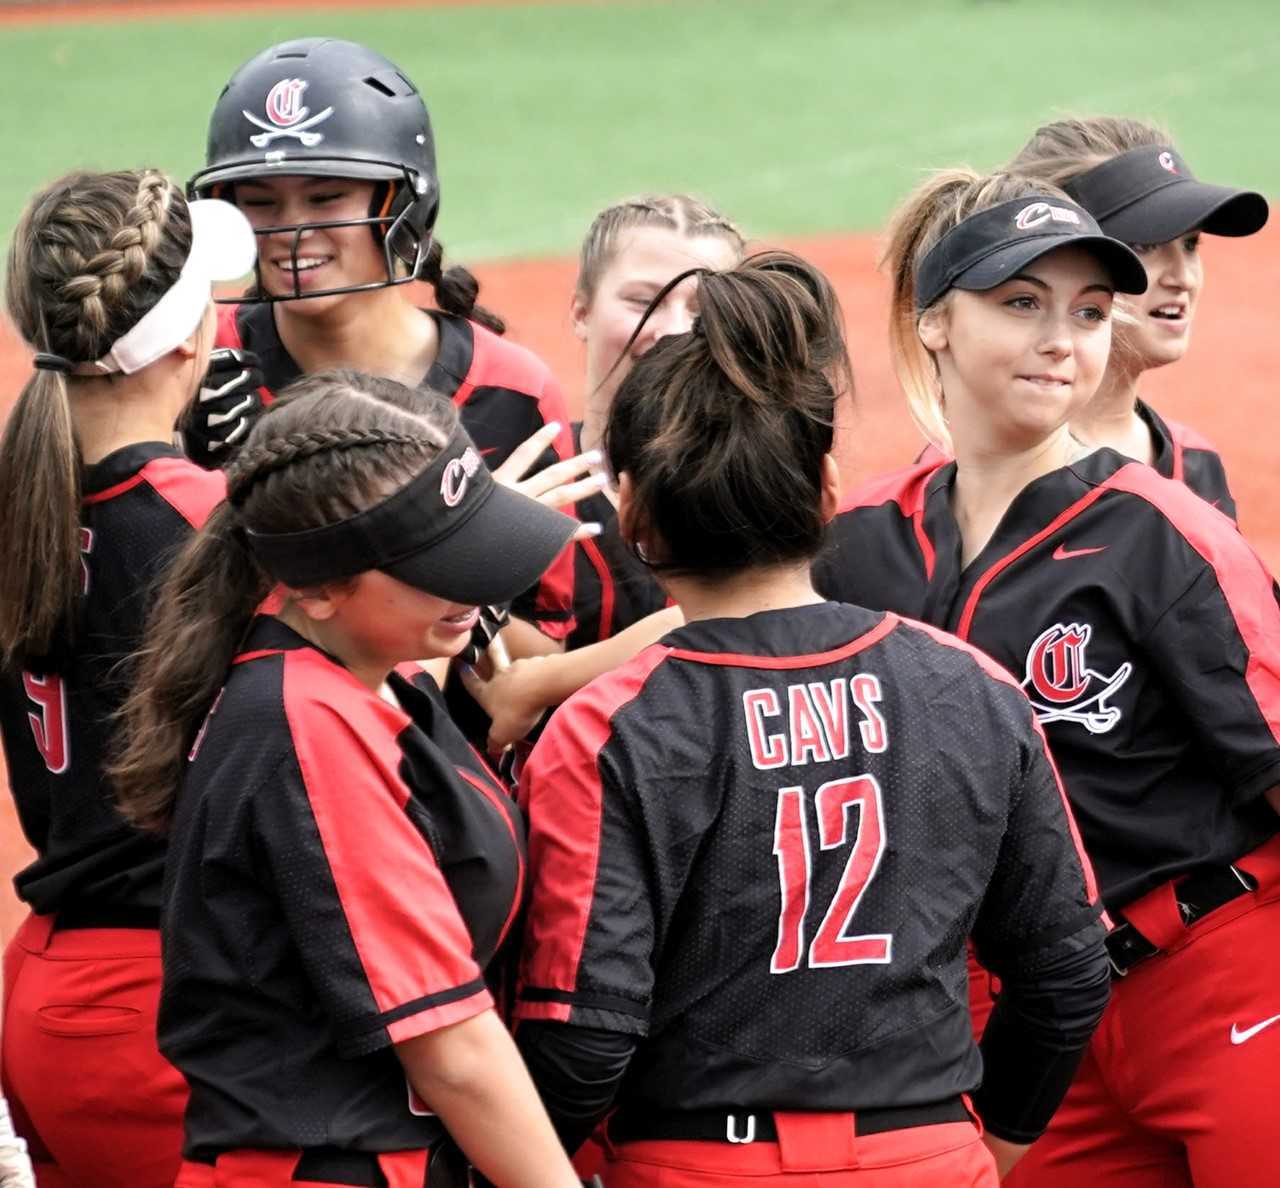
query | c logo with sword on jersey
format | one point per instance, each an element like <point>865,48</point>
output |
<point>288,116</point>
<point>1063,688</point>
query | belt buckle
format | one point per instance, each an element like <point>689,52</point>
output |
<point>1133,948</point>
<point>731,1130</point>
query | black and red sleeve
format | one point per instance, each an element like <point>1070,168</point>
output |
<point>379,933</point>
<point>1217,644</point>
<point>592,925</point>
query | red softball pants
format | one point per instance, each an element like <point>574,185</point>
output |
<point>275,1169</point>
<point>1179,1085</point>
<point>812,1151</point>
<point>89,1090</point>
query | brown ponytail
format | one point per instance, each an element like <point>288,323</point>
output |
<point>1064,149</point>
<point>456,290</point>
<point>333,445</point>
<point>723,430</point>
<point>91,254</point>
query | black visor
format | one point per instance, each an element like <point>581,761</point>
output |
<point>451,531</point>
<point>1149,195</point>
<point>995,244</point>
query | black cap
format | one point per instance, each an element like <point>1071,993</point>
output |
<point>1150,195</point>
<point>451,531</point>
<point>995,244</point>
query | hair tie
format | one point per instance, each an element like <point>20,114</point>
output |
<point>45,362</point>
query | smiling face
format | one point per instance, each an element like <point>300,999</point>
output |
<point>327,257</point>
<point>1161,331</point>
<point>1018,361</point>
<point>645,260</point>
<point>374,622</point>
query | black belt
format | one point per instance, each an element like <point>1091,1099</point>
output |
<point>747,1126</point>
<point>1196,896</point>
<point>105,916</point>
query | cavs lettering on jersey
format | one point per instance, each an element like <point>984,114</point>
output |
<point>1140,624</point>
<point>139,505</point>
<point>760,845</point>
<point>334,888</point>
<point>503,392</point>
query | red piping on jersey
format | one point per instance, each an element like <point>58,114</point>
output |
<point>814,660</point>
<point>971,603</point>
<point>1241,576</point>
<point>601,567</point>
<point>922,539</point>
<point>245,657</point>
<point>566,812</point>
<point>495,798</point>
<point>112,492</point>
<point>907,488</point>
<point>997,672</point>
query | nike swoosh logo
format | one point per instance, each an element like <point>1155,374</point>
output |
<point>1062,553</point>
<point>1240,1037</point>
<point>490,450</point>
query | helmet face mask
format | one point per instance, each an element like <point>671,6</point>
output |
<point>324,108</point>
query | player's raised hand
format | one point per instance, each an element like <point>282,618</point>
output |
<point>218,419</point>
<point>556,485</point>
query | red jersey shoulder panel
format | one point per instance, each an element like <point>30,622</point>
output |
<point>228,330</point>
<point>906,487</point>
<point>189,489</point>
<point>562,794</point>
<point>1244,580</point>
<point>1188,438</point>
<point>345,739</point>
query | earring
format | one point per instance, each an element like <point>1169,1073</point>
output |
<point>639,551</point>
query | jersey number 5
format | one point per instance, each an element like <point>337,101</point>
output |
<point>49,723</point>
<point>791,847</point>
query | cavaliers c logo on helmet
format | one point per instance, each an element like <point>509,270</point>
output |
<point>288,116</point>
<point>1063,688</point>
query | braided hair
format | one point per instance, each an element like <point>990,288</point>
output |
<point>333,445</point>
<point>92,253</point>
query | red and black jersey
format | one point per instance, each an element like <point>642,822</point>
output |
<point>1185,456</point>
<point>503,392</point>
<point>612,587</point>
<point>140,505</point>
<point>1141,625</point>
<point>333,888</point>
<point>1181,454</point>
<point>760,845</point>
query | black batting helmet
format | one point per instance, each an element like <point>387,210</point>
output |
<point>318,107</point>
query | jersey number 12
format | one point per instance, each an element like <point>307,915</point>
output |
<point>832,803</point>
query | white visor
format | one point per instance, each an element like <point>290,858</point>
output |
<point>223,248</point>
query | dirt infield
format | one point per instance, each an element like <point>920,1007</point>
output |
<point>1224,388</point>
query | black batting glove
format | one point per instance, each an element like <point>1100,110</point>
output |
<point>492,620</point>
<point>214,424</point>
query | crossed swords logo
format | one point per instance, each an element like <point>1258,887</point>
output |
<point>288,116</point>
<point>270,133</point>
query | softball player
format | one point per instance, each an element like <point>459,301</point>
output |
<point>328,149</point>
<point>1132,179</point>
<point>1147,636</point>
<point>632,249</point>
<point>335,890</point>
<point>731,837</point>
<point>109,281</point>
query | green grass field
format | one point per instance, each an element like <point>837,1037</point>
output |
<point>812,115</point>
